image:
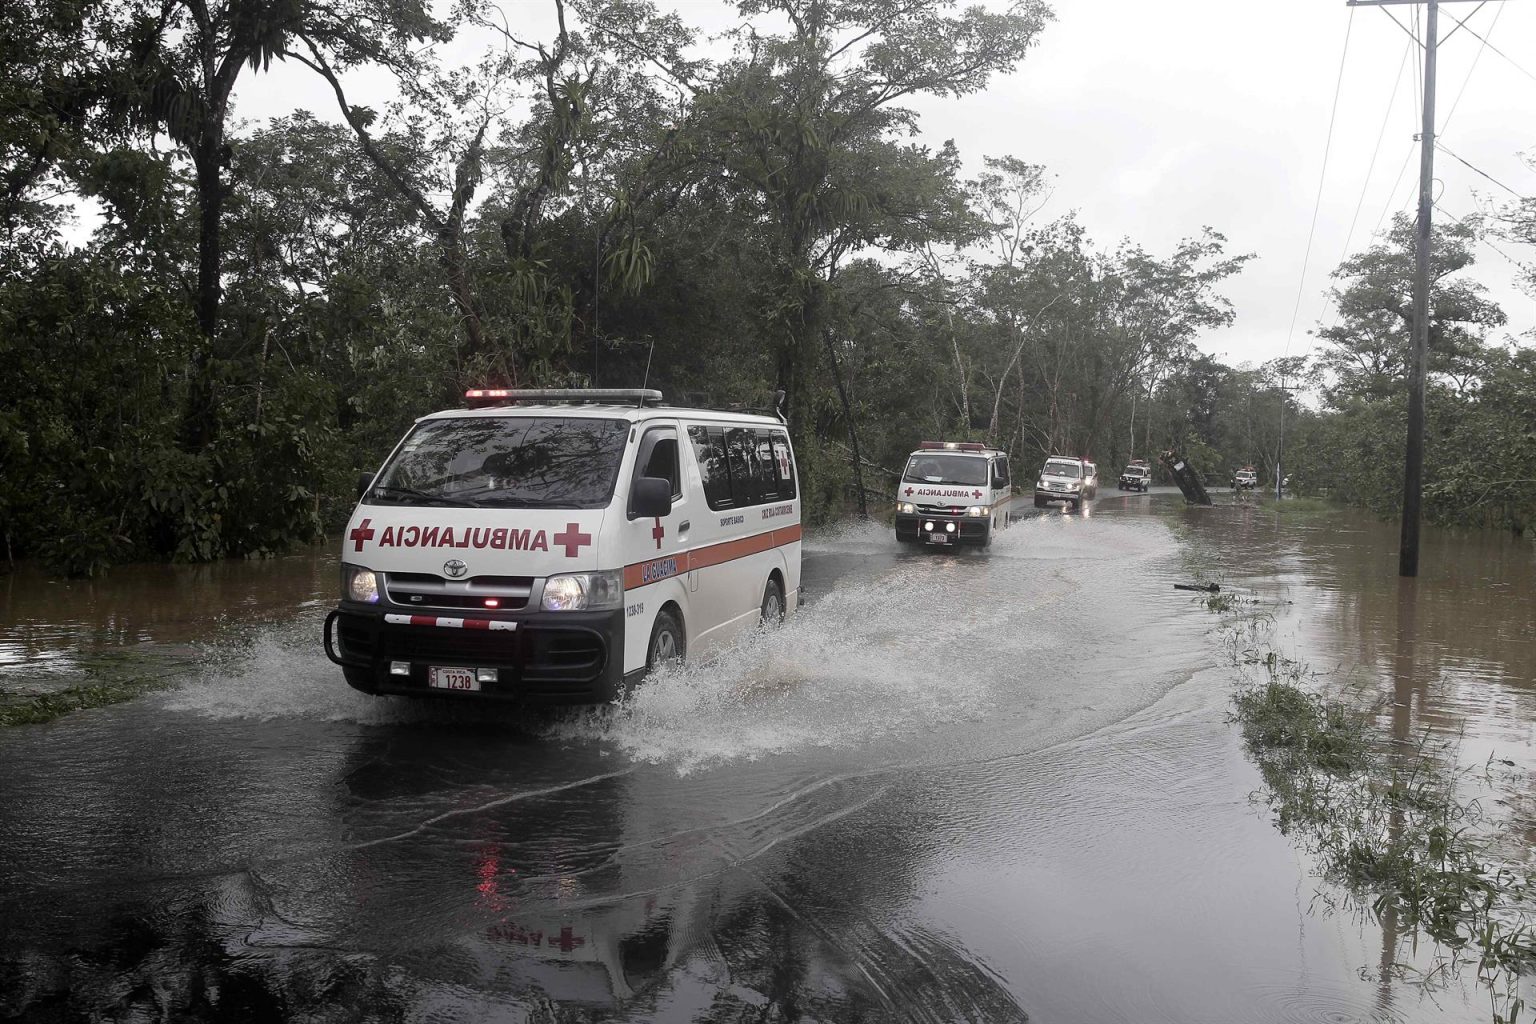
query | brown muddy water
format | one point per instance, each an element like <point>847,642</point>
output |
<point>991,787</point>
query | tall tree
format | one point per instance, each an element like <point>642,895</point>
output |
<point>177,74</point>
<point>802,122</point>
<point>1367,351</point>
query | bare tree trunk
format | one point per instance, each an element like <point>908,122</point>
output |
<point>199,415</point>
<point>853,433</point>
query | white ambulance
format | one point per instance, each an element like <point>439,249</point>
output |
<point>953,493</point>
<point>552,546</point>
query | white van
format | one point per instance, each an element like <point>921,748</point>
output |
<point>952,493</point>
<point>552,546</point>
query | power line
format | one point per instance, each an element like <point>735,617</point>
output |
<point>1513,63</point>
<point>1475,58</point>
<point>1444,149</point>
<point>1460,24</point>
<point>1338,87</point>
<point>1412,147</point>
<point>1370,169</point>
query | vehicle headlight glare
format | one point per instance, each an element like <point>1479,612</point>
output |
<point>359,584</point>
<point>949,527</point>
<point>584,592</point>
<point>928,526</point>
<point>980,511</point>
<point>906,508</point>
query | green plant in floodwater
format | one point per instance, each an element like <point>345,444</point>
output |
<point>40,708</point>
<point>1220,603</point>
<point>1385,822</point>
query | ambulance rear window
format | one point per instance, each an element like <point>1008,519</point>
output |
<point>506,462</point>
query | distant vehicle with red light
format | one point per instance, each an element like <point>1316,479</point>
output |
<point>1245,479</point>
<point>1066,478</point>
<point>551,546</point>
<point>953,493</point>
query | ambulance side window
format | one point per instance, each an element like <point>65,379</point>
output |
<point>662,459</point>
<point>741,457</point>
<point>709,448</point>
<point>1000,473</point>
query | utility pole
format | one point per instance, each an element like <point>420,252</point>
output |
<point>1413,473</point>
<point>1413,470</point>
<point>1280,448</point>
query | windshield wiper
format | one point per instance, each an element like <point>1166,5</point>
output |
<point>411,492</point>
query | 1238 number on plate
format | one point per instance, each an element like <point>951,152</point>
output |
<point>452,679</point>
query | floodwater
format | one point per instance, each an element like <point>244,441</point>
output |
<point>955,787</point>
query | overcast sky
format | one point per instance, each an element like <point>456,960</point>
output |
<point>1156,118</point>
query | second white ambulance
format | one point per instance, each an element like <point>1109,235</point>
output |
<point>550,546</point>
<point>953,493</point>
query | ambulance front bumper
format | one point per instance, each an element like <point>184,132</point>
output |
<point>533,657</point>
<point>967,529</point>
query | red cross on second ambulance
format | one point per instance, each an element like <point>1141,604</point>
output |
<point>573,539</point>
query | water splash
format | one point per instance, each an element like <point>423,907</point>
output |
<point>911,642</point>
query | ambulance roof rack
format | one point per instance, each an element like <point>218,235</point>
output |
<point>953,446</point>
<point>479,398</point>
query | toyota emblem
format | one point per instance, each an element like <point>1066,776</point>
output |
<point>454,569</point>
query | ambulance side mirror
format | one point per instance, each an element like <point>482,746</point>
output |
<point>363,480</point>
<point>651,498</point>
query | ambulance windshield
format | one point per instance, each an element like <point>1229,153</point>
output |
<point>934,468</point>
<point>506,462</point>
<point>1070,470</point>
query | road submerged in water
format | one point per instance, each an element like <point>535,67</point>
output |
<point>972,786</point>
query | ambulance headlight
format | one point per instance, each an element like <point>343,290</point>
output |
<point>584,592</point>
<point>906,508</point>
<point>359,584</point>
<point>981,511</point>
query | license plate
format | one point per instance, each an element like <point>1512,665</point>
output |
<point>938,538</point>
<point>452,679</point>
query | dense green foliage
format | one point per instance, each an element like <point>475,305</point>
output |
<point>208,327</point>
<point>1480,450</point>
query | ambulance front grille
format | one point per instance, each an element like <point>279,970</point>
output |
<point>426,590</point>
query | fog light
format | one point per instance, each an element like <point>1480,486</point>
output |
<point>928,527</point>
<point>399,668</point>
<point>485,675</point>
<point>950,527</point>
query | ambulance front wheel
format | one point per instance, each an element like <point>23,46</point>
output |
<point>668,644</point>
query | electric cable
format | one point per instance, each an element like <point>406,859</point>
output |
<point>1513,63</point>
<point>1317,205</point>
<point>1397,82</point>
<point>1407,159</point>
<point>1380,136</point>
<point>1446,150</point>
<point>1473,67</point>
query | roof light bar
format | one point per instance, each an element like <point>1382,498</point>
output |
<point>477,397</point>
<point>962,446</point>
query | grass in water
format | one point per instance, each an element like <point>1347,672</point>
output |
<point>104,679</point>
<point>40,708</point>
<point>1385,822</point>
